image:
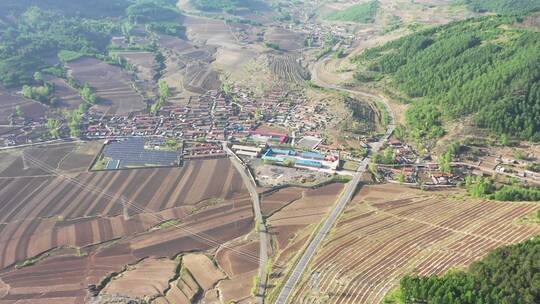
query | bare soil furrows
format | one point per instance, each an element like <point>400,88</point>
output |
<point>285,39</point>
<point>31,197</point>
<point>112,84</point>
<point>143,61</point>
<point>240,272</point>
<point>68,96</point>
<point>210,228</point>
<point>203,270</point>
<point>44,212</point>
<point>389,231</point>
<point>292,226</point>
<point>208,31</point>
<point>30,108</point>
<point>150,277</point>
<point>279,199</point>
<point>288,68</point>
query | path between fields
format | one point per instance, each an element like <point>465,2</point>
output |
<point>249,181</point>
<point>346,196</point>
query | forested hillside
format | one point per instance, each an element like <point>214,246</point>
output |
<point>482,67</point>
<point>504,6</point>
<point>94,8</point>
<point>507,275</point>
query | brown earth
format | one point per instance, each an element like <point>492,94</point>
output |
<point>292,226</point>
<point>31,109</point>
<point>240,270</point>
<point>88,210</point>
<point>112,84</point>
<point>389,231</point>
<point>146,279</point>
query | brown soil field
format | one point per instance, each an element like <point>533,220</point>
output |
<point>145,280</point>
<point>287,40</point>
<point>274,201</point>
<point>144,61</point>
<point>292,226</point>
<point>203,269</point>
<point>389,231</point>
<point>68,96</point>
<point>288,68</point>
<point>31,109</point>
<point>239,271</point>
<point>208,31</point>
<point>112,84</point>
<point>68,157</point>
<point>188,66</point>
<point>44,212</point>
<point>210,227</point>
<point>198,276</point>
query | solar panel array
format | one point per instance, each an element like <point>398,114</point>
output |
<point>130,152</point>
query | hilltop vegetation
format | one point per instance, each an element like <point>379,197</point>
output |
<point>504,6</point>
<point>40,35</point>
<point>91,9</point>
<point>360,13</point>
<point>481,67</point>
<point>506,275</point>
<point>229,6</point>
<point>152,10</point>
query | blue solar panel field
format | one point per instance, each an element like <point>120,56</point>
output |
<point>130,152</point>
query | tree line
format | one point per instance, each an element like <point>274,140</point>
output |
<point>506,275</point>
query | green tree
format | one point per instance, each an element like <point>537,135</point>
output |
<point>88,94</point>
<point>19,112</point>
<point>38,77</point>
<point>74,123</point>
<point>53,125</point>
<point>259,114</point>
<point>164,90</point>
<point>505,141</point>
<point>445,161</point>
<point>400,177</point>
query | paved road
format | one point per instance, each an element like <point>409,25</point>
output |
<point>249,181</point>
<point>346,196</point>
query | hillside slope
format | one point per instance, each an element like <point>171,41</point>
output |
<point>504,6</point>
<point>507,275</point>
<point>485,67</point>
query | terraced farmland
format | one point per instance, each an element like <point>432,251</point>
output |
<point>288,68</point>
<point>389,231</point>
<point>60,220</point>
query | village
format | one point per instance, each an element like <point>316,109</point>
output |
<point>279,130</point>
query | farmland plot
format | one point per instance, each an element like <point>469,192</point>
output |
<point>68,96</point>
<point>288,68</point>
<point>65,278</point>
<point>285,39</point>
<point>112,84</point>
<point>31,109</point>
<point>295,214</point>
<point>389,231</point>
<point>92,204</point>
